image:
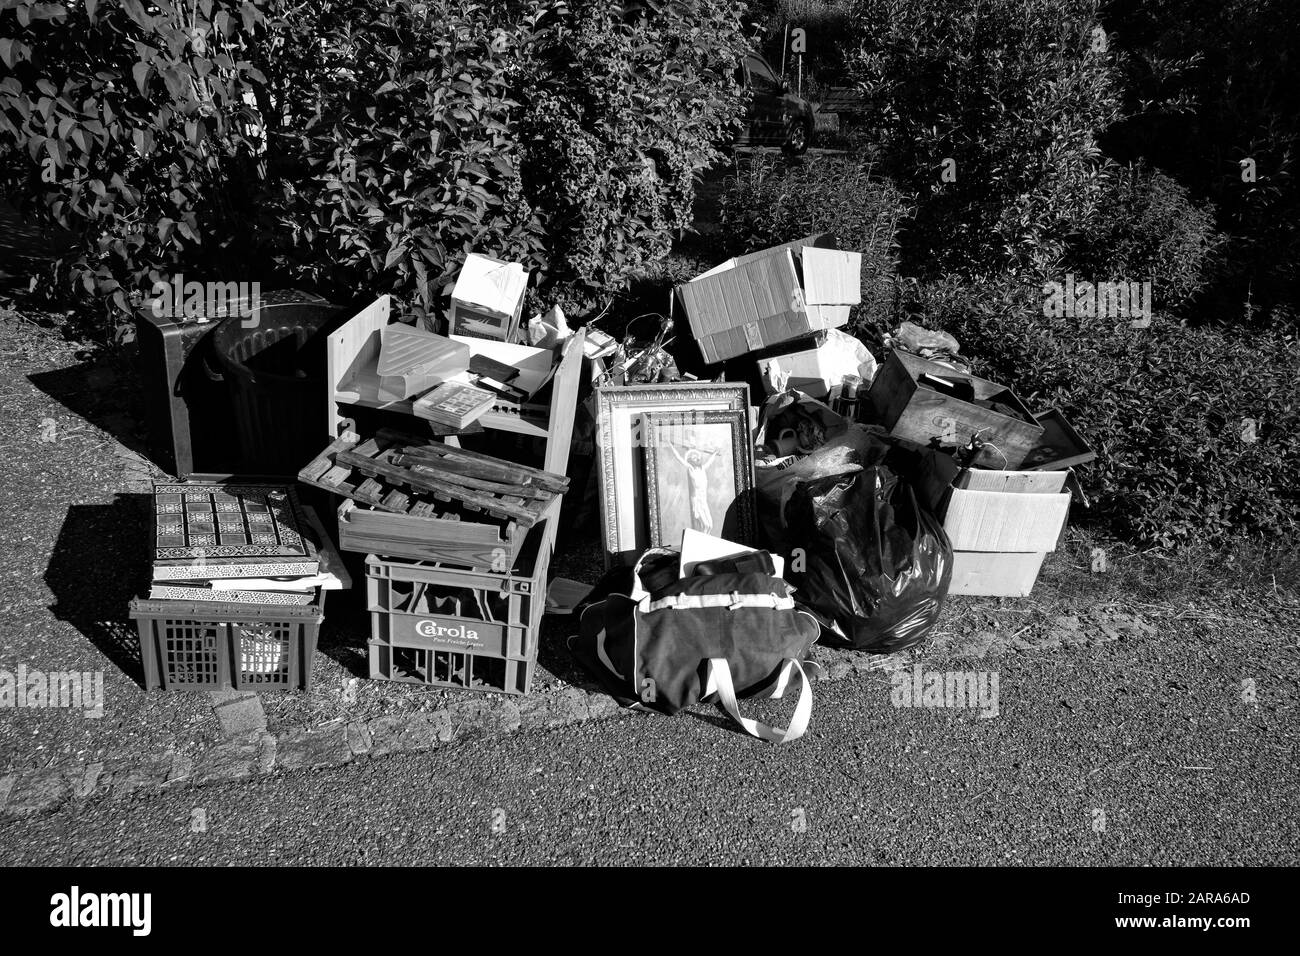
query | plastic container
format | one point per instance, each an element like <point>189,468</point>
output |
<point>274,365</point>
<point>458,628</point>
<point>451,670</point>
<point>199,645</point>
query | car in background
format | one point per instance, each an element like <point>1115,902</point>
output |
<point>775,116</point>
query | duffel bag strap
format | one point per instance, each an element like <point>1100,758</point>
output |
<point>719,682</point>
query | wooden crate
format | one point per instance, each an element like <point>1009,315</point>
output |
<point>922,415</point>
<point>431,501</point>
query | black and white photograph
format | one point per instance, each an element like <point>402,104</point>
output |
<point>698,475</point>
<point>668,434</point>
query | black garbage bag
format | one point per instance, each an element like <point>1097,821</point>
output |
<point>876,566</point>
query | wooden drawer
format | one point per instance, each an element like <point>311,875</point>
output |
<point>928,417</point>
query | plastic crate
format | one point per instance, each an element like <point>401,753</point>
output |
<point>458,627</point>
<point>189,645</point>
<point>453,670</point>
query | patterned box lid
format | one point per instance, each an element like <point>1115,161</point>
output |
<point>218,522</point>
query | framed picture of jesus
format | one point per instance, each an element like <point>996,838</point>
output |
<point>699,474</point>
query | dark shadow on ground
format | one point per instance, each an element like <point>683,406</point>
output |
<point>100,562</point>
<point>104,391</point>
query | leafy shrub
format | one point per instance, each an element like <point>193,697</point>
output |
<point>124,126</point>
<point>387,139</point>
<point>1147,227</point>
<point>1014,94</point>
<point>1164,409</point>
<point>1213,83</point>
<point>771,201</point>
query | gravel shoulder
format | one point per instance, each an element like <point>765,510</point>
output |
<point>76,496</point>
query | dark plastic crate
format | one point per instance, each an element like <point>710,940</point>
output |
<point>191,645</point>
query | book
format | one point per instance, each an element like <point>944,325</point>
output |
<point>500,388</point>
<point>454,404</point>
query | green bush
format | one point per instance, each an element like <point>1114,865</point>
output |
<point>1007,98</point>
<point>387,139</point>
<point>125,126</point>
<point>771,201</point>
<point>1213,83</point>
<point>1164,408</point>
<point>1147,228</point>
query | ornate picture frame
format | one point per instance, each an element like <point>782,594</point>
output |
<point>687,486</point>
<point>621,478</point>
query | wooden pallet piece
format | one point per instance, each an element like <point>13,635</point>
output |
<point>393,472</point>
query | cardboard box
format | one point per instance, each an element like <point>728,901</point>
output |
<point>764,298</point>
<point>1005,521</point>
<point>809,370</point>
<point>985,574</point>
<point>1001,525</point>
<point>488,298</point>
<point>911,410</point>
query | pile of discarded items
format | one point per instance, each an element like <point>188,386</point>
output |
<point>795,489</point>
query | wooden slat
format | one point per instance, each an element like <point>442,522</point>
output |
<point>461,462</point>
<point>546,479</point>
<point>442,472</point>
<point>439,489</point>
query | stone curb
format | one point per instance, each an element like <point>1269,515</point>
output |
<point>257,753</point>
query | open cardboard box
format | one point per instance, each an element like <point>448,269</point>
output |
<point>921,402</point>
<point>1002,524</point>
<point>759,300</point>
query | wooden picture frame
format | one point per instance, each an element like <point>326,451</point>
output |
<point>687,487</point>
<point>621,477</point>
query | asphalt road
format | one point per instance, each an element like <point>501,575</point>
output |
<point>1140,752</point>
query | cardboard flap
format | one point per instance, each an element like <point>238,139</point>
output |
<point>831,276</point>
<point>1022,482</point>
<point>819,240</point>
<point>747,293</point>
<point>1002,521</point>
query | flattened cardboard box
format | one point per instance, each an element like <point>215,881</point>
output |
<point>759,300</point>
